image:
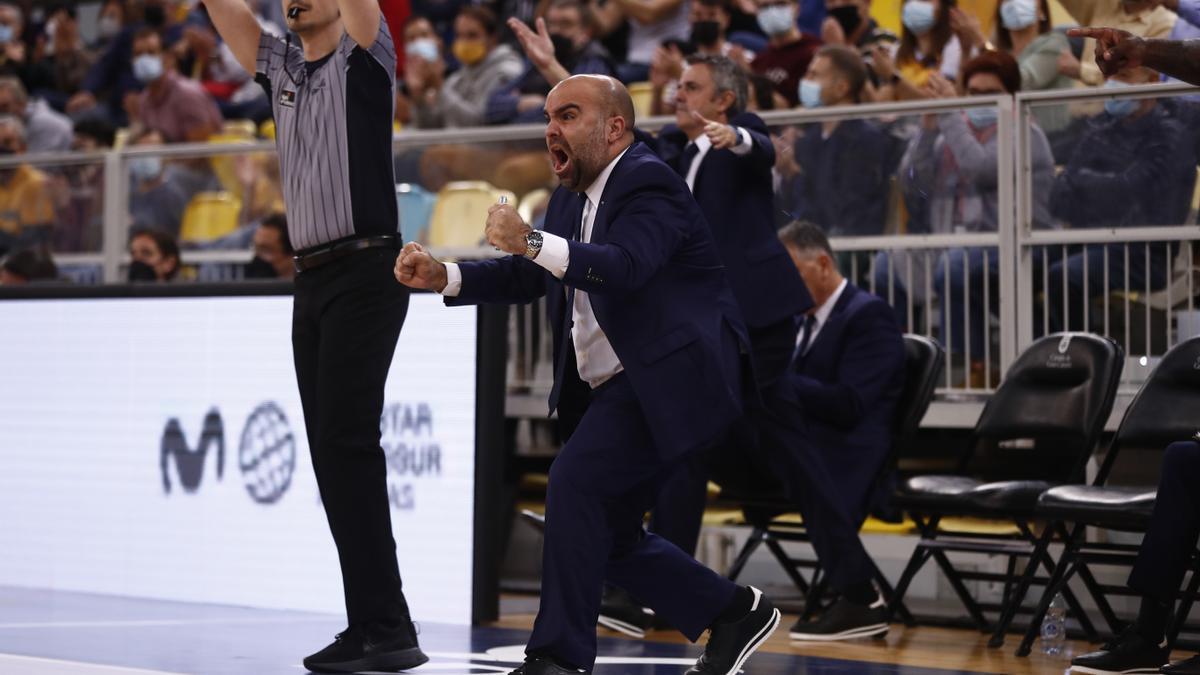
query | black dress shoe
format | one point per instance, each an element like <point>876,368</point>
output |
<point>1189,667</point>
<point>1128,653</point>
<point>730,644</point>
<point>370,647</point>
<point>844,621</point>
<point>620,612</point>
<point>540,665</point>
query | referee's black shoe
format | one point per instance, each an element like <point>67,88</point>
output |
<point>540,665</point>
<point>389,647</point>
<point>730,644</point>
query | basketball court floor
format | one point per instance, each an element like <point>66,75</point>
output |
<point>62,633</point>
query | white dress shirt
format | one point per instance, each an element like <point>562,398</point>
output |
<point>594,355</point>
<point>703,145</point>
<point>821,316</point>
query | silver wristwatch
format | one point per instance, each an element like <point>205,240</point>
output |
<point>533,244</point>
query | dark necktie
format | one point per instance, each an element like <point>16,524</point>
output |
<point>689,156</point>
<point>806,332</point>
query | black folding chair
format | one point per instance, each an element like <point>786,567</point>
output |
<point>762,506</point>
<point>1165,410</point>
<point>1037,430</point>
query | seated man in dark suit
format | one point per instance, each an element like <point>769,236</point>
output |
<point>1163,560</point>
<point>831,430</point>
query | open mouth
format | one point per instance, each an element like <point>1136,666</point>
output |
<point>560,161</point>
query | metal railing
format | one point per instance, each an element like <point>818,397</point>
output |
<point>1017,303</point>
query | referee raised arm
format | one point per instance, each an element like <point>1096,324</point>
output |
<point>332,95</point>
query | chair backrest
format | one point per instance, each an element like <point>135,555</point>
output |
<point>642,94</point>
<point>461,211</point>
<point>209,216</point>
<point>1166,409</point>
<point>923,363</point>
<point>1051,407</point>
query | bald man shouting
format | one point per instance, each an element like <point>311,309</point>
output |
<point>647,362</point>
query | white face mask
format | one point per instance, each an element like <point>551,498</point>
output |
<point>147,68</point>
<point>775,20</point>
<point>108,27</point>
<point>918,16</point>
<point>1018,14</point>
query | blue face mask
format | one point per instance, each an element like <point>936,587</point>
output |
<point>1018,14</point>
<point>982,118</point>
<point>1119,108</point>
<point>147,68</point>
<point>423,48</point>
<point>145,168</point>
<point>775,20</point>
<point>6,34</point>
<point>810,94</point>
<point>918,16</point>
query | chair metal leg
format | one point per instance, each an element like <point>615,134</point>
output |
<point>964,595</point>
<point>1110,617</point>
<point>1013,603</point>
<point>786,562</point>
<point>888,593</point>
<point>748,549</point>
<point>916,561</point>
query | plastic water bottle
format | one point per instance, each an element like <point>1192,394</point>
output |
<point>1054,627</point>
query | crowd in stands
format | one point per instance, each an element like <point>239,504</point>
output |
<point>151,73</point>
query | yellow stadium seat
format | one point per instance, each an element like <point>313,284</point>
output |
<point>461,211</point>
<point>267,130</point>
<point>239,129</point>
<point>643,98</point>
<point>210,216</point>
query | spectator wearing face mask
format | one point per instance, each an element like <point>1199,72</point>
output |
<point>45,129</point>
<point>155,200</point>
<point>155,256</point>
<point>15,59</point>
<point>561,47</point>
<point>110,86</point>
<point>927,46</point>
<point>273,253</point>
<point>487,65</point>
<point>26,202</point>
<point>710,24</point>
<point>177,107</point>
<point>1143,18</point>
<point>423,62</point>
<point>1133,166</point>
<point>788,52</point>
<point>109,24</point>
<point>841,172</point>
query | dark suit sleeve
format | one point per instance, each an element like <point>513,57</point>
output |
<point>511,280</point>
<point>874,350</point>
<point>762,151</point>
<point>648,226</point>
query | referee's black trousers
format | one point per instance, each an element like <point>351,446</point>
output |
<point>346,318</point>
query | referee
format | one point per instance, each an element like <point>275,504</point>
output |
<point>332,94</point>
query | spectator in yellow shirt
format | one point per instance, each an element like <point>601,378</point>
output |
<point>1143,18</point>
<point>26,207</point>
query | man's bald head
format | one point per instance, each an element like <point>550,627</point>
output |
<point>607,93</point>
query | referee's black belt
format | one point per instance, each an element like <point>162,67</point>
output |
<point>320,255</point>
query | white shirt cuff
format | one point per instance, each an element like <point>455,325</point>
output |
<point>746,143</point>
<point>554,256</point>
<point>453,281</point>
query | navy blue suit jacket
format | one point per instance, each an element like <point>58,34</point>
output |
<point>846,389</point>
<point>737,198</point>
<point>658,291</point>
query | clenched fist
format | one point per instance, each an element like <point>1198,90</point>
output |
<point>415,268</point>
<point>505,230</point>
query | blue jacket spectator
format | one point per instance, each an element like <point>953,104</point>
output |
<point>1135,165</point>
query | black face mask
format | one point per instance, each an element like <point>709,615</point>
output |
<point>154,15</point>
<point>259,269</point>
<point>705,33</point>
<point>564,51</point>
<point>140,271</point>
<point>847,17</point>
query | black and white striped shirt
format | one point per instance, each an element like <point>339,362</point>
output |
<point>333,130</point>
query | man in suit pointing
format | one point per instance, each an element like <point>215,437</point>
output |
<point>647,340</point>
